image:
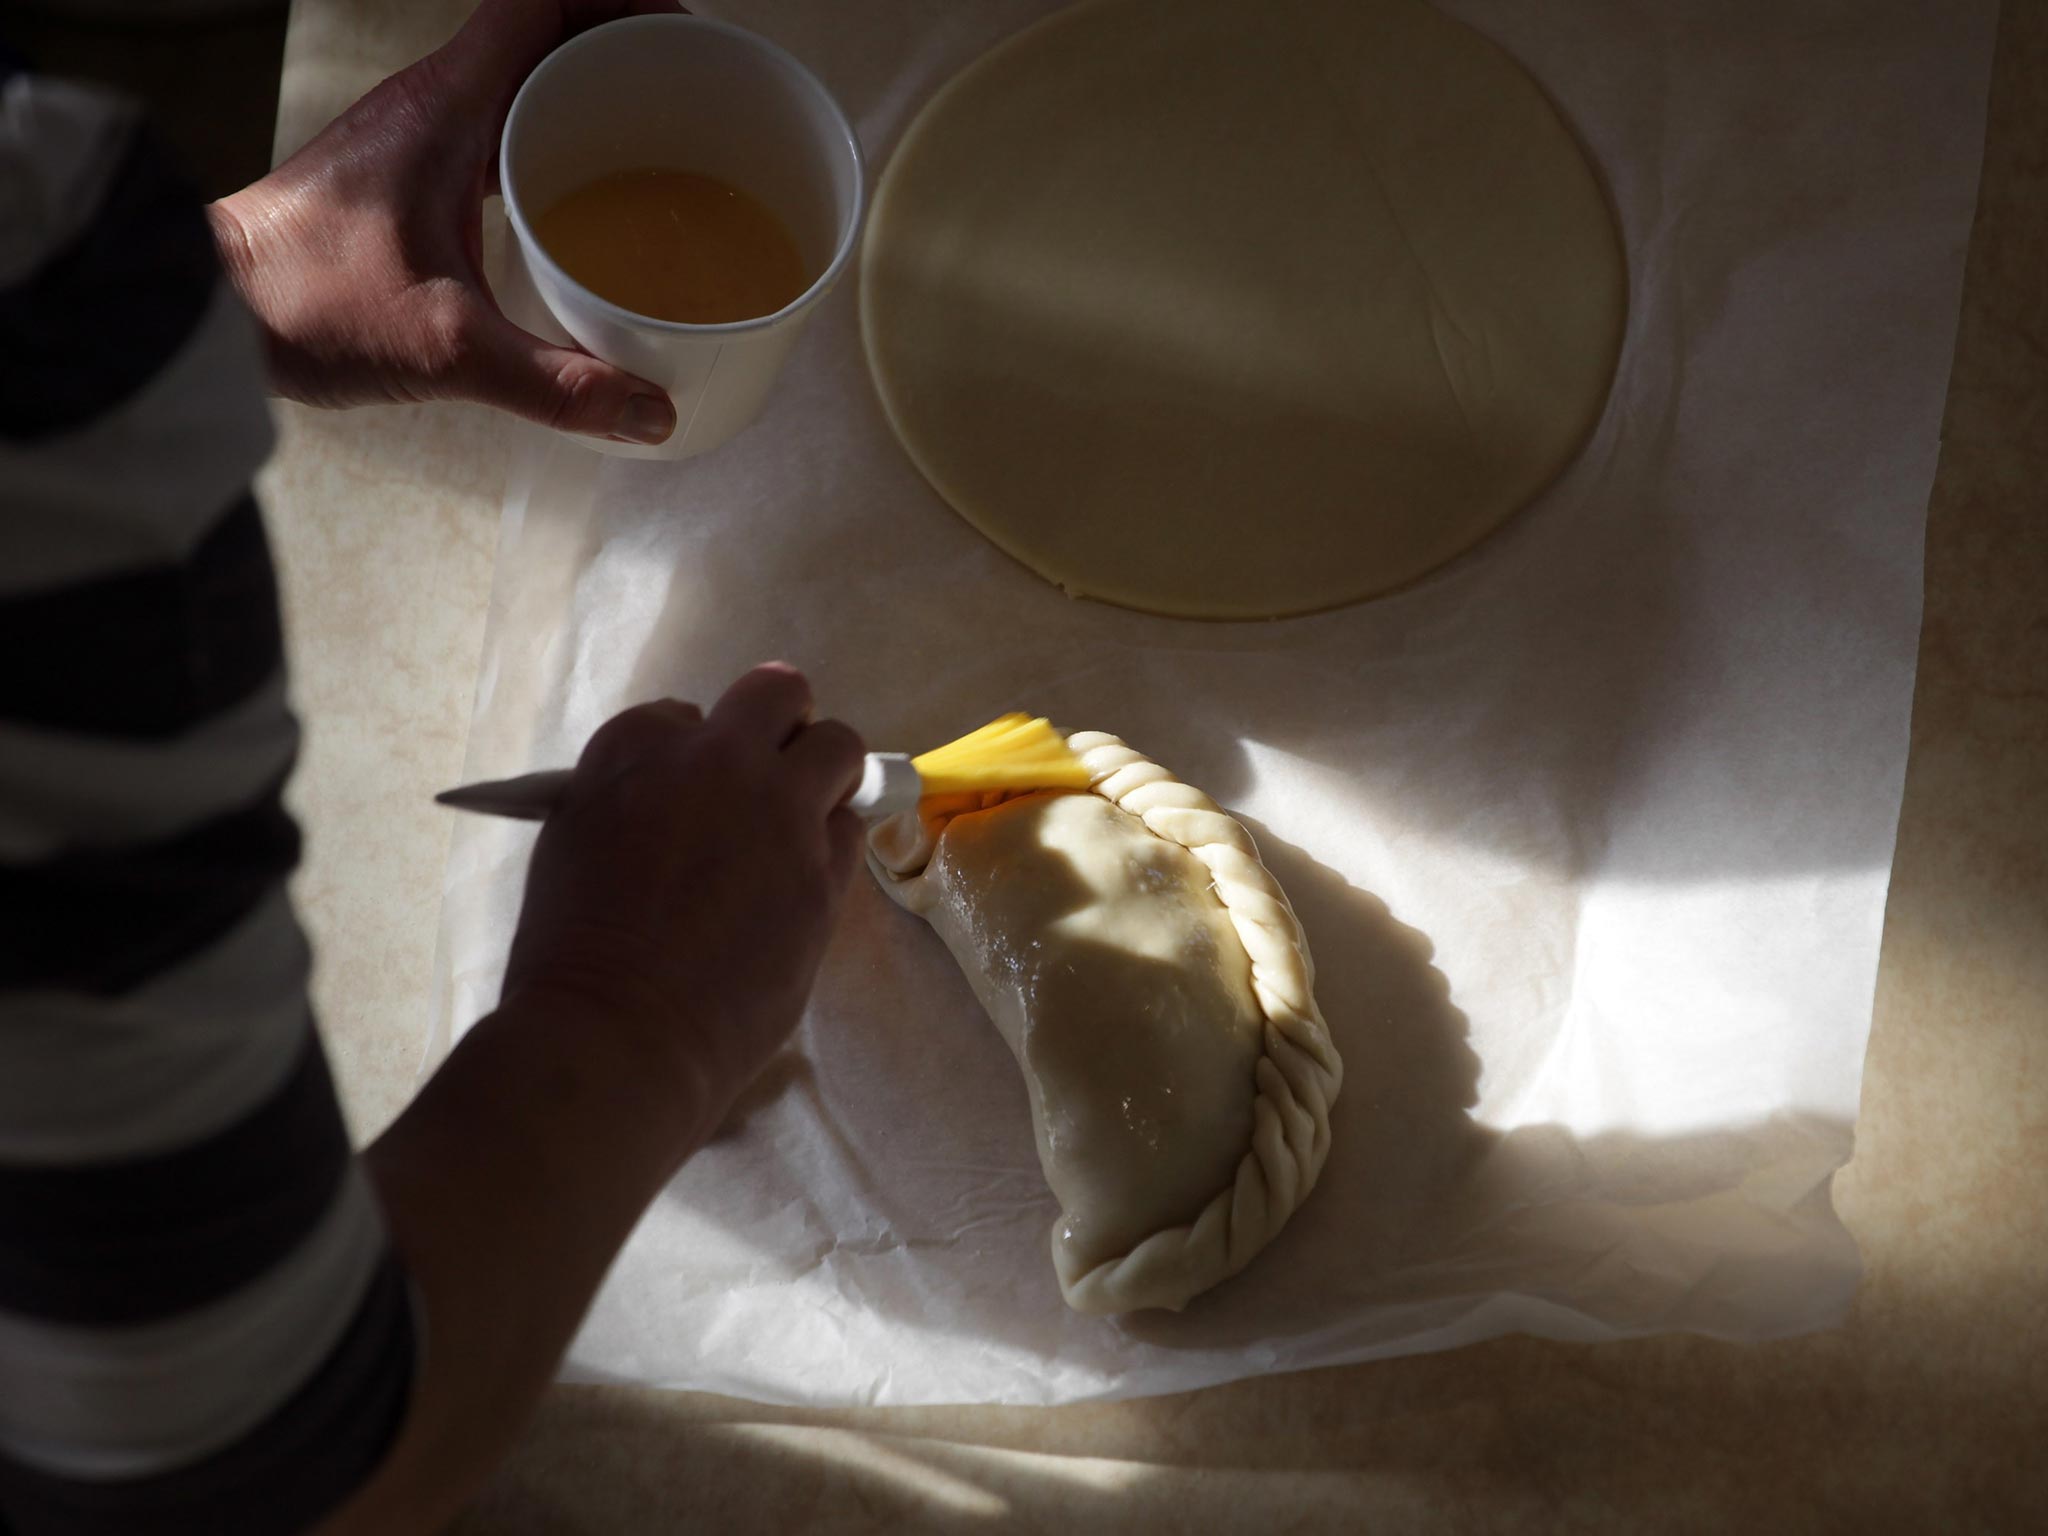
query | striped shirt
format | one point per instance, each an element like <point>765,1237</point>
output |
<point>203,1326</point>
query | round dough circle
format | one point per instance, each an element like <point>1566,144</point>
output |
<point>1235,311</point>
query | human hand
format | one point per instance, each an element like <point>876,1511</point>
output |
<point>361,255</point>
<point>692,873</point>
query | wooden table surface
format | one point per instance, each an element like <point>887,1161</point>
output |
<point>1924,1412</point>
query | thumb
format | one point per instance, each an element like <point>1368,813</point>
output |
<point>563,388</point>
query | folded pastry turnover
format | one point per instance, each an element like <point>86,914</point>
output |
<point>1152,981</point>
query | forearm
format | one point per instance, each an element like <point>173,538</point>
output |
<point>508,1185</point>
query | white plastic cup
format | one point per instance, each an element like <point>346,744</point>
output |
<point>687,94</point>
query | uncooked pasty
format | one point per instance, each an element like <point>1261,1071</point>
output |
<point>1152,981</point>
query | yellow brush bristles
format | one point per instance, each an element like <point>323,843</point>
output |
<point>1015,752</point>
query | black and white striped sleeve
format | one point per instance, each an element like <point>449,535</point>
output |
<point>203,1326</point>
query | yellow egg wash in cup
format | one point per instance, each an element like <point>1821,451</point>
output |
<point>674,245</point>
<point>681,196</point>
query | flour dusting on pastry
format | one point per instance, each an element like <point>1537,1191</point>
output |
<point>1153,984</point>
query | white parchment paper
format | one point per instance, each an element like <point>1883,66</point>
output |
<point>1590,832</point>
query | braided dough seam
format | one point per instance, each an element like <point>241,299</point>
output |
<point>1298,1075</point>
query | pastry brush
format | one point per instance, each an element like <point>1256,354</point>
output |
<point>1014,752</point>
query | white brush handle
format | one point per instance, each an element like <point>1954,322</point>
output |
<point>888,784</point>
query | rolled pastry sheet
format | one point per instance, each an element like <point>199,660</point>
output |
<point>1155,987</point>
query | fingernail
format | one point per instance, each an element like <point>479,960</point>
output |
<point>646,419</point>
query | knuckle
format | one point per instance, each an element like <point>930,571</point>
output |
<point>630,733</point>
<point>447,332</point>
<point>572,396</point>
<point>836,737</point>
<point>782,675</point>
<point>724,754</point>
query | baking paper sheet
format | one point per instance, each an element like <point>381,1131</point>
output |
<point>1590,832</point>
